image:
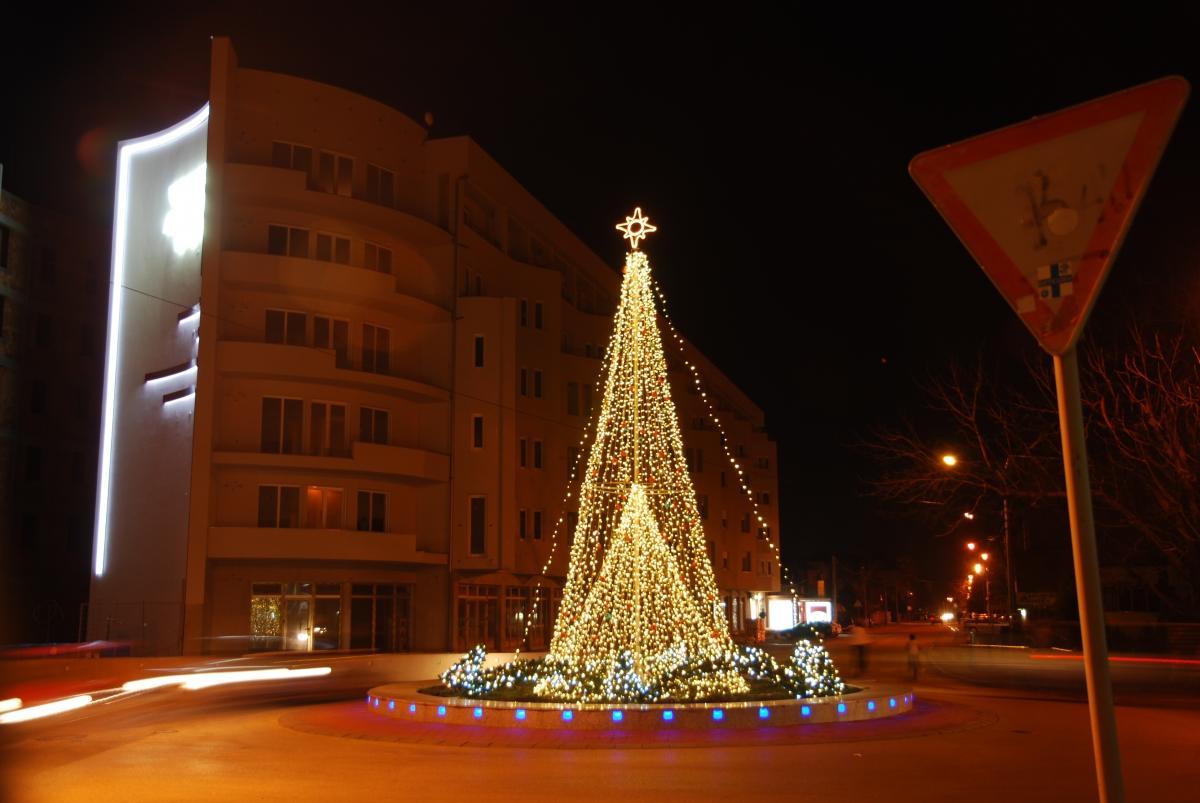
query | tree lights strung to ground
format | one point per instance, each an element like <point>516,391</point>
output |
<point>641,618</point>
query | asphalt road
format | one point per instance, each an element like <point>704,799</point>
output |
<point>243,743</point>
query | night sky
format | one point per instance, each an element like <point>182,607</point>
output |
<point>771,149</point>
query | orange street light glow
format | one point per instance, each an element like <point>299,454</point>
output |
<point>971,545</point>
<point>949,459</point>
<point>984,556</point>
<point>978,568</point>
<point>969,515</point>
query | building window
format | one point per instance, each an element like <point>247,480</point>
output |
<point>332,333</point>
<point>537,454</point>
<point>287,241</point>
<point>44,332</point>
<point>524,307</point>
<point>477,431</point>
<point>694,459</point>
<point>375,349</point>
<point>537,384</point>
<point>332,248</point>
<point>521,451</point>
<point>746,561</point>
<point>278,506</point>
<point>572,460</point>
<point>521,521</point>
<point>478,524</point>
<point>49,272</point>
<point>746,523</point>
<point>572,398</point>
<point>524,382</point>
<point>284,326</point>
<point>327,429</point>
<point>372,512</point>
<point>537,315</point>
<point>376,257</point>
<point>478,608</point>
<point>702,505</point>
<point>537,525</point>
<point>478,351</point>
<point>722,479</point>
<point>764,463</point>
<point>37,397</point>
<point>587,399</point>
<point>764,498</point>
<point>33,464</point>
<point>724,560</point>
<point>712,552</point>
<point>282,425</point>
<point>323,508</point>
<point>87,338</point>
<point>380,617</point>
<point>381,185</point>
<point>572,520</point>
<point>291,156</point>
<point>372,425</point>
<point>335,173</point>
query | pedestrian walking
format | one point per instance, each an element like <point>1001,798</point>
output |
<point>914,656</point>
<point>859,639</point>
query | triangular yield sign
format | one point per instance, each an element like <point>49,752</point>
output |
<point>1044,205</point>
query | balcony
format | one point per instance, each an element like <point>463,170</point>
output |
<point>275,187</point>
<point>302,363</point>
<point>365,459</point>
<point>314,277</point>
<point>269,543</point>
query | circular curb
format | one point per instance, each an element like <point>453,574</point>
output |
<point>406,702</point>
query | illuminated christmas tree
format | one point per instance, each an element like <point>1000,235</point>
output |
<point>641,609</point>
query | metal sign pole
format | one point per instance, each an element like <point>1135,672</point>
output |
<point>1087,579</point>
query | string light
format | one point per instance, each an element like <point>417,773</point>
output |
<point>641,618</point>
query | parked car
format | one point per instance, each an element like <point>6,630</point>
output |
<point>813,631</point>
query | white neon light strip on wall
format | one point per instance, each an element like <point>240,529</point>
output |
<point>113,357</point>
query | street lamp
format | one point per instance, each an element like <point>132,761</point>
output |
<point>971,546</point>
<point>1010,587</point>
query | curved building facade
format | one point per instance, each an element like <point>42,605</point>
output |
<point>346,387</point>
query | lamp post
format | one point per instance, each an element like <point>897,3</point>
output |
<point>950,460</point>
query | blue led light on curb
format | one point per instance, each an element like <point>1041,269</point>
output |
<point>668,716</point>
<point>479,713</point>
<point>376,702</point>
<point>763,713</point>
<point>617,716</point>
<point>805,711</point>
<point>441,710</point>
<point>870,705</point>
<point>718,714</point>
<point>891,702</point>
<point>412,708</point>
<point>391,705</point>
<point>520,714</point>
<point>841,708</point>
<point>568,716</point>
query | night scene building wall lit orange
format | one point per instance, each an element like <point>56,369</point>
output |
<point>342,414</point>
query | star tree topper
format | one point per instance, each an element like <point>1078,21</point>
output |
<point>636,227</point>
